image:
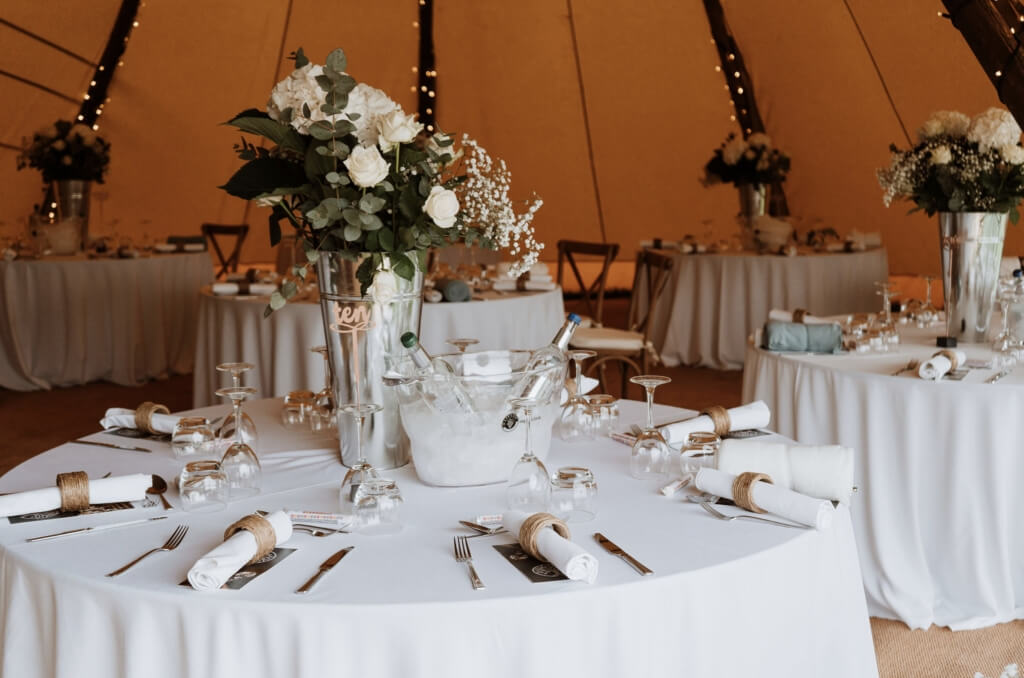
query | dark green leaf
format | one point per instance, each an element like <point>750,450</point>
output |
<point>387,239</point>
<point>264,175</point>
<point>364,274</point>
<point>336,60</point>
<point>283,135</point>
<point>300,58</point>
<point>317,165</point>
<point>403,267</point>
<point>370,243</point>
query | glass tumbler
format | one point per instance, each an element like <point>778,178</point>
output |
<point>605,410</point>
<point>299,411</point>
<point>203,486</point>
<point>377,507</point>
<point>574,494</point>
<point>699,450</point>
<point>193,437</point>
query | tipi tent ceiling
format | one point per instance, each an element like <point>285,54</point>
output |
<point>508,75</point>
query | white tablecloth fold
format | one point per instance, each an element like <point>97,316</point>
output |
<point>823,471</point>
<point>101,491</point>
<point>800,508</point>
<point>571,560</point>
<point>120,417</point>
<point>216,567</point>
<point>255,289</point>
<point>781,316</point>
<point>939,365</point>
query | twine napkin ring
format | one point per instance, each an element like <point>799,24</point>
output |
<point>720,418</point>
<point>954,361</point>
<point>260,528</point>
<point>742,490</point>
<point>74,490</point>
<point>530,530</point>
<point>799,315</point>
<point>144,415</point>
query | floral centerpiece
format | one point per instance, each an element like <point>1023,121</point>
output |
<point>741,161</point>
<point>63,151</point>
<point>354,174</point>
<point>970,172</point>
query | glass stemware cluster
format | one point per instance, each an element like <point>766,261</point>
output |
<point>651,456</point>
<point>375,502</point>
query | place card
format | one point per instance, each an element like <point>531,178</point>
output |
<point>95,508</point>
<point>141,435</point>
<point>532,569</point>
<point>253,570</point>
<point>956,375</point>
<point>746,433</point>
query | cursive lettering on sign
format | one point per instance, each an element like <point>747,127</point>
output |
<point>351,318</point>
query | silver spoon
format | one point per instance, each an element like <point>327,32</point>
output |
<point>158,488</point>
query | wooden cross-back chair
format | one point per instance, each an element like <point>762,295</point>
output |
<point>632,347</point>
<point>593,294</point>
<point>228,264</point>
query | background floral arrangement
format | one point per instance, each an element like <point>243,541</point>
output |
<point>960,165</point>
<point>746,161</point>
<point>354,174</point>
<point>66,151</point>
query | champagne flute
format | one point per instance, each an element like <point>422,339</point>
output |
<point>529,486</point>
<point>651,455</point>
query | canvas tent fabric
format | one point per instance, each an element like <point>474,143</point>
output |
<point>507,75</point>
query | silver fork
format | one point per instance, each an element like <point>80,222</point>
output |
<point>721,516</point>
<point>463,555</point>
<point>169,545</point>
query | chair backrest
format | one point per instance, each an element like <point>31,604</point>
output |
<point>593,294</point>
<point>228,264</point>
<point>653,271</point>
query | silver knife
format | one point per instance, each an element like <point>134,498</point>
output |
<point>611,548</point>
<point>325,567</point>
<point>94,528</point>
<point>997,376</point>
<point>116,447</point>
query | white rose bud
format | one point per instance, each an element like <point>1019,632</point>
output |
<point>733,151</point>
<point>269,200</point>
<point>942,156</point>
<point>366,166</point>
<point>442,206</point>
<point>1013,154</point>
<point>384,287</point>
<point>396,128</point>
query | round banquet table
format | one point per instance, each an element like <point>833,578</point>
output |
<point>232,328</point>
<point>72,320</point>
<point>726,598</point>
<point>938,467</point>
<point>712,302</point>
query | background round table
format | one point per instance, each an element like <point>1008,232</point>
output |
<point>938,466</point>
<point>712,302</point>
<point>72,320</point>
<point>232,328</point>
<point>726,598</point>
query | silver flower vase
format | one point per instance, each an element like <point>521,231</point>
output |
<point>72,198</point>
<point>971,249</point>
<point>753,203</point>
<point>362,336</point>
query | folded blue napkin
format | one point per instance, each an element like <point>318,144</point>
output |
<point>453,289</point>
<point>778,336</point>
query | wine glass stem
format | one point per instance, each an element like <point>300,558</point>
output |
<point>928,292</point>
<point>237,405</point>
<point>359,439</point>
<point>579,377</point>
<point>650,406</point>
<point>1003,307</point>
<point>327,373</point>
<point>236,379</point>
<point>526,430</point>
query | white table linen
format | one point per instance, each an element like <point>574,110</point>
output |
<point>725,599</point>
<point>938,467</point>
<point>72,320</point>
<point>712,302</point>
<point>233,329</point>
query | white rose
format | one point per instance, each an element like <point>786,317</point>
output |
<point>733,151</point>
<point>370,104</point>
<point>942,156</point>
<point>299,88</point>
<point>367,166</point>
<point>994,128</point>
<point>384,287</point>
<point>442,206</point>
<point>759,140</point>
<point>396,128</point>
<point>1013,154</point>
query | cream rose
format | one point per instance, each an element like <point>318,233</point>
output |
<point>442,206</point>
<point>1013,154</point>
<point>384,287</point>
<point>366,166</point>
<point>733,151</point>
<point>396,128</point>
<point>942,156</point>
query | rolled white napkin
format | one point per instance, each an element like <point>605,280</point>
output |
<point>193,247</point>
<point>216,567</point>
<point>823,471</point>
<point>938,365</point>
<point>101,491</point>
<point>120,417</point>
<point>781,316</point>
<point>255,289</point>
<point>570,559</point>
<point>751,415</point>
<point>785,503</point>
<point>165,247</point>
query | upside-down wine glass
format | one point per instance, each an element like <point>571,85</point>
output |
<point>462,344</point>
<point>325,406</point>
<point>226,432</point>
<point>1005,344</point>
<point>927,314</point>
<point>886,325</point>
<point>651,455</point>
<point>239,463</point>
<point>362,470</point>
<point>576,422</point>
<point>529,486</point>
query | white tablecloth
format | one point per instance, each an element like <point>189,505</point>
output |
<point>726,599</point>
<point>234,329</point>
<point>939,467</point>
<point>71,320</point>
<point>713,302</point>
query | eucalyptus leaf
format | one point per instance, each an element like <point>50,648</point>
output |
<point>371,203</point>
<point>352,232</point>
<point>321,130</point>
<point>289,289</point>
<point>277,301</point>
<point>403,267</point>
<point>371,222</point>
<point>386,238</point>
<point>336,60</point>
<point>351,215</point>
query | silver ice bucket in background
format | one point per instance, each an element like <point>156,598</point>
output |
<point>362,337</point>
<point>971,249</point>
